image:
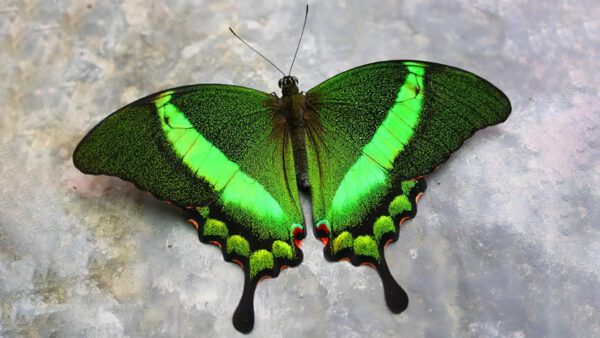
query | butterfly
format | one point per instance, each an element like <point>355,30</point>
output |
<point>235,159</point>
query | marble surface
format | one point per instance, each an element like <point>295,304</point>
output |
<point>506,242</point>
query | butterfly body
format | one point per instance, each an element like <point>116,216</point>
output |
<point>292,110</point>
<point>235,159</point>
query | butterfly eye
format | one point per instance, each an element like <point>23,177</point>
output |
<point>280,83</point>
<point>295,79</point>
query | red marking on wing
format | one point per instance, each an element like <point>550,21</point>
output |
<point>238,263</point>
<point>386,243</point>
<point>323,227</point>
<point>263,278</point>
<point>369,264</point>
<point>297,232</point>
<point>193,222</point>
<point>215,243</point>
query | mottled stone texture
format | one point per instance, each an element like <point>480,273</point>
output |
<point>506,241</point>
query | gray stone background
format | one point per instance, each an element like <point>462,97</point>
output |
<point>507,238</point>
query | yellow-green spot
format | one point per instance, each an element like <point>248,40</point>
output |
<point>239,245</point>
<point>407,186</point>
<point>383,225</point>
<point>399,205</point>
<point>367,179</point>
<point>259,261</point>
<point>342,241</point>
<point>238,190</point>
<point>214,227</point>
<point>204,212</point>
<point>366,246</point>
<point>281,249</point>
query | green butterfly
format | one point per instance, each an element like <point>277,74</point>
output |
<point>235,158</point>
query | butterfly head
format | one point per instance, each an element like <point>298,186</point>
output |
<point>288,85</point>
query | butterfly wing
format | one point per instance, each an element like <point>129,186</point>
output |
<point>220,152</point>
<point>373,132</point>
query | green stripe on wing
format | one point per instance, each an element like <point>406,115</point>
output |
<point>369,175</point>
<point>237,190</point>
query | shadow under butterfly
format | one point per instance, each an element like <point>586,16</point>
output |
<point>236,158</point>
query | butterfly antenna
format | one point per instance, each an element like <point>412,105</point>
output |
<point>257,52</point>
<point>301,34</point>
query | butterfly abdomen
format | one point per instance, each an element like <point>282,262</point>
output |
<point>293,108</point>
